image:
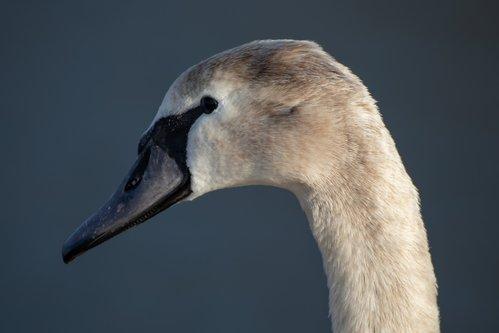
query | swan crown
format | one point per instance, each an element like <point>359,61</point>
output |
<point>288,109</point>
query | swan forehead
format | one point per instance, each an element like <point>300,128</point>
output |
<point>291,68</point>
<point>186,92</point>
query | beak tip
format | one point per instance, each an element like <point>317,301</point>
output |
<point>72,247</point>
<point>67,256</point>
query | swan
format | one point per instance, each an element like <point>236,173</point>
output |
<point>285,113</point>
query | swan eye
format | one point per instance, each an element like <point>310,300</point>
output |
<point>209,104</point>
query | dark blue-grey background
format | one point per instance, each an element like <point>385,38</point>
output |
<point>80,81</point>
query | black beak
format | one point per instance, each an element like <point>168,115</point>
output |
<point>155,182</point>
<point>158,179</point>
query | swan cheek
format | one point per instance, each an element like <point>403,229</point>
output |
<point>200,161</point>
<point>218,158</point>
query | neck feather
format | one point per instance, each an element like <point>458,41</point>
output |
<point>375,252</point>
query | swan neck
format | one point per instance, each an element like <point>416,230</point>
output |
<point>375,255</point>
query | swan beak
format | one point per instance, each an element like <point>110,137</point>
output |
<point>154,183</point>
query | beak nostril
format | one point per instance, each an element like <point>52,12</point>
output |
<point>138,171</point>
<point>133,183</point>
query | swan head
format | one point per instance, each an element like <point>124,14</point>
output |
<point>265,113</point>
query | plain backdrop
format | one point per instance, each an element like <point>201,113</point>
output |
<point>81,80</point>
